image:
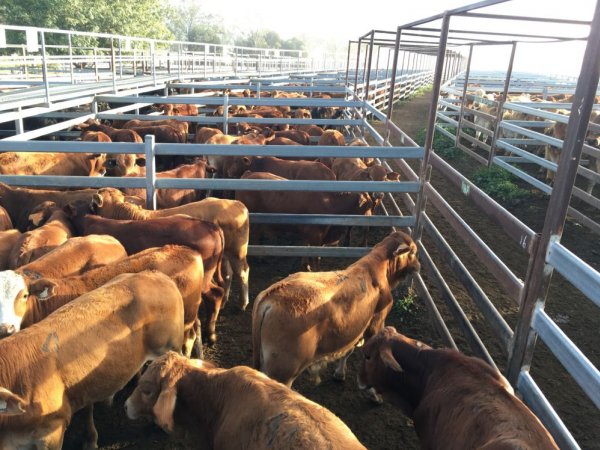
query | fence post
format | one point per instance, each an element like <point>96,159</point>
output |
<point>225,113</point>
<point>205,59</point>
<point>464,97</point>
<point>96,72</point>
<point>71,59</point>
<point>45,68</point>
<point>113,65</point>
<point>150,171</point>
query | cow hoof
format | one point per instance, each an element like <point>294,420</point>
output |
<point>244,306</point>
<point>374,396</point>
<point>90,445</point>
<point>212,339</point>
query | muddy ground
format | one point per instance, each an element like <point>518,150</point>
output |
<point>385,427</point>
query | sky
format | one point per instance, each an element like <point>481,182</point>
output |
<point>328,25</point>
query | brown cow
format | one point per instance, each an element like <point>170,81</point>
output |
<point>311,318</point>
<point>137,235</point>
<point>84,353</point>
<point>301,137</point>
<point>66,164</point>
<point>233,408</point>
<point>332,137</point>
<point>8,239</point>
<point>5,222</point>
<point>54,230</point>
<point>162,133</point>
<point>170,109</point>
<point>182,264</point>
<point>292,170</point>
<point>231,215</point>
<point>20,202</point>
<point>455,401</point>
<point>203,134</point>
<point>354,169</point>
<point>95,136</point>
<point>170,198</point>
<point>72,258</point>
<point>116,134</point>
<point>181,126</point>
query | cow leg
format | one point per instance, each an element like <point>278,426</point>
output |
<point>91,434</point>
<point>197,350</point>
<point>54,439</point>
<point>241,270</point>
<point>595,166</point>
<point>340,371</point>
<point>212,305</point>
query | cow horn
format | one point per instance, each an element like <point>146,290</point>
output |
<point>388,359</point>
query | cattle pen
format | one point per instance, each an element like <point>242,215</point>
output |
<point>497,309</point>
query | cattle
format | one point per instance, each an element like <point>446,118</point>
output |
<point>455,401</point>
<point>137,235</point>
<point>232,216</point>
<point>256,138</point>
<point>115,134</point>
<point>354,169</point>
<point>162,133</point>
<point>311,130</point>
<point>182,264</point>
<point>282,141</point>
<point>292,170</point>
<point>5,222</point>
<point>332,137</point>
<point>203,134</point>
<point>170,109</point>
<point>54,230</point>
<point>169,198</point>
<point>126,164</point>
<point>301,137</point>
<point>302,113</point>
<point>8,239</point>
<point>83,353</point>
<point>310,318</point>
<point>181,126</point>
<point>66,164</point>
<point>95,136</point>
<point>20,202</point>
<point>72,258</point>
<point>232,408</point>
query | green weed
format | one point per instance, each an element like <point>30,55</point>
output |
<point>499,184</point>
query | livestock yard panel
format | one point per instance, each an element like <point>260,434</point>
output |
<point>485,291</point>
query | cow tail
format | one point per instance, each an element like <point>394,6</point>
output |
<point>219,272</point>
<point>258,315</point>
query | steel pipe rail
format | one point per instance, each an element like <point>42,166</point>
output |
<point>328,219</point>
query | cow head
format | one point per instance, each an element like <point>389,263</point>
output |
<point>391,365</point>
<point>10,404</point>
<point>123,165</point>
<point>401,253</point>
<point>13,301</point>
<point>96,164</point>
<point>155,395</point>
<point>302,113</point>
<point>41,214</point>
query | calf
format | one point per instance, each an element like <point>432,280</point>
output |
<point>309,319</point>
<point>203,134</point>
<point>54,230</point>
<point>182,127</point>
<point>137,235</point>
<point>233,408</point>
<point>66,164</point>
<point>95,136</point>
<point>84,353</point>
<point>115,134</point>
<point>301,137</point>
<point>455,401</point>
<point>182,264</point>
<point>332,137</point>
<point>71,258</point>
<point>232,216</point>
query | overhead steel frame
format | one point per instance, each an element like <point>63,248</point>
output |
<point>544,250</point>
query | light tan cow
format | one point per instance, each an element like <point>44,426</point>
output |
<point>182,264</point>
<point>71,258</point>
<point>67,164</point>
<point>311,318</point>
<point>233,409</point>
<point>84,353</point>
<point>54,230</point>
<point>231,215</point>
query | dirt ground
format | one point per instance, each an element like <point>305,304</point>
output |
<point>385,427</point>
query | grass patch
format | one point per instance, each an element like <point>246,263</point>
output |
<point>405,306</point>
<point>442,145</point>
<point>499,184</point>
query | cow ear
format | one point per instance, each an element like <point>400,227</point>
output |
<point>97,201</point>
<point>211,169</point>
<point>43,288</point>
<point>246,161</point>
<point>10,404</point>
<point>96,155</point>
<point>388,359</point>
<point>393,176</point>
<point>70,210</point>
<point>36,219</point>
<point>141,162</point>
<point>164,408</point>
<point>402,248</point>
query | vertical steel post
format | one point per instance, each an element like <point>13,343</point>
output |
<point>71,68</point>
<point>25,65</point>
<point>45,68</point>
<point>153,59</point>
<point>500,105</point>
<point>390,105</point>
<point>226,114</point>
<point>348,63</point>
<point>149,144</point>
<point>539,273</point>
<point>368,71</point>
<point>424,169</point>
<point>205,59</point>
<point>96,71</point>
<point>120,60</point>
<point>464,96</point>
<point>113,65</point>
<point>179,61</point>
<point>19,123</point>
<point>356,72</point>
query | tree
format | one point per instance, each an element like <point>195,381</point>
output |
<point>189,23</point>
